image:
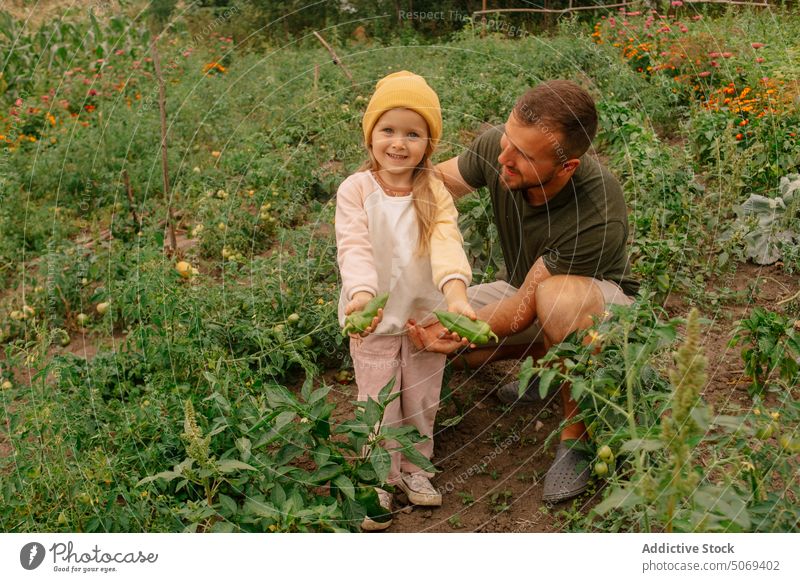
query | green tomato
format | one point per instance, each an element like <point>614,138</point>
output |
<point>344,376</point>
<point>789,444</point>
<point>605,453</point>
<point>765,432</point>
<point>307,341</point>
<point>600,469</point>
<point>293,318</point>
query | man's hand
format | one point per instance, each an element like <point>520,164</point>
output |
<point>435,338</point>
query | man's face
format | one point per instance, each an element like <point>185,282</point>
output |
<point>528,156</point>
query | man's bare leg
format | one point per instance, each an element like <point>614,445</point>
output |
<point>565,304</point>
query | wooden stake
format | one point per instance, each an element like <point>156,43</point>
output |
<point>336,59</point>
<point>162,106</point>
<point>131,202</point>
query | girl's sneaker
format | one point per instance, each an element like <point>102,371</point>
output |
<point>419,490</point>
<point>385,499</point>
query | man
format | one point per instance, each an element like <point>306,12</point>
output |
<point>563,228</point>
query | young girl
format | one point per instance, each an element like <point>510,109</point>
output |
<point>397,232</point>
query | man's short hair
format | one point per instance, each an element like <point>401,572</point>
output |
<point>562,107</point>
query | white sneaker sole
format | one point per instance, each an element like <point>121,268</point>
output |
<point>372,525</point>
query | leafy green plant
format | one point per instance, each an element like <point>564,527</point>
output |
<point>771,349</point>
<point>670,492</point>
<point>288,451</point>
<point>766,225</point>
<point>476,222</point>
<point>500,501</point>
<point>609,370</point>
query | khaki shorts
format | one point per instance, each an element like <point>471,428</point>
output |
<point>482,295</point>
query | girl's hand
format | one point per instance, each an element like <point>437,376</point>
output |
<point>357,303</point>
<point>372,326</point>
<point>462,308</point>
<point>455,293</point>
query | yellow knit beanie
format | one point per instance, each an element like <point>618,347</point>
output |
<point>409,91</point>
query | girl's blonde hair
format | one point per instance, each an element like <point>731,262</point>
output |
<point>422,195</point>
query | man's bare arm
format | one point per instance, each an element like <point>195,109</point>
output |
<point>505,317</point>
<point>451,176</point>
<point>514,314</point>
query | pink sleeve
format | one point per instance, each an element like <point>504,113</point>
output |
<point>448,259</point>
<point>354,247</point>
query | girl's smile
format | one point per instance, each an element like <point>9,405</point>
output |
<point>399,143</point>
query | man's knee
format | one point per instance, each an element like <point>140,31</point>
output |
<point>565,303</point>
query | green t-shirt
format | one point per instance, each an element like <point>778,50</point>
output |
<point>582,230</point>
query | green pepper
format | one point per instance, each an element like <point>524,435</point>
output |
<point>477,332</point>
<point>358,321</point>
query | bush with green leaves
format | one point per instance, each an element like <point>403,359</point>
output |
<point>771,350</point>
<point>671,464</point>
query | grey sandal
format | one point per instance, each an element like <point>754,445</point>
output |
<point>568,476</point>
<point>509,393</point>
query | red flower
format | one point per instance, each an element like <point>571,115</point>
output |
<point>757,45</point>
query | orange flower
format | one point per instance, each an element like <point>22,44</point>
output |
<point>739,136</point>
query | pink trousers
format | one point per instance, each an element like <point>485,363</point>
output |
<point>418,378</point>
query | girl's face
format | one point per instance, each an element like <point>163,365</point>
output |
<point>399,141</point>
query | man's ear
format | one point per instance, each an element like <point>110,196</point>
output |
<point>570,166</point>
